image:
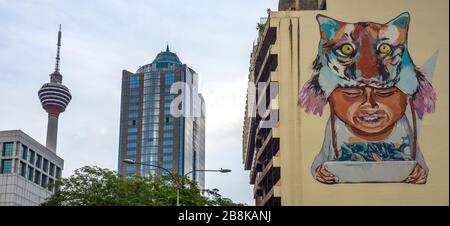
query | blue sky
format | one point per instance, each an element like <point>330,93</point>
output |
<point>102,38</point>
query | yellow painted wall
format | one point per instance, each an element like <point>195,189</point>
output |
<point>302,134</point>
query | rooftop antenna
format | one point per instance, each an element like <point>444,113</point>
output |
<point>167,48</point>
<point>57,52</point>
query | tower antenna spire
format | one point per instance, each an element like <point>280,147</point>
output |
<point>57,52</point>
<point>167,48</point>
<point>54,97</point>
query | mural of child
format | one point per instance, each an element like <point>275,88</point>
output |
<point>366,75</point>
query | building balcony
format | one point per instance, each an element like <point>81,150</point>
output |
<point>272,197</point>
<point>270,146</point>
<point>269,63</point>
<point>268,39</point>
<point>271,171</point>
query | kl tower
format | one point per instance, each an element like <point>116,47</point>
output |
<point>54,97</point>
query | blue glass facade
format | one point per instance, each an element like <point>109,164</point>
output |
<point>149,131</point>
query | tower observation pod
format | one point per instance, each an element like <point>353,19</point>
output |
<point>54,97</point>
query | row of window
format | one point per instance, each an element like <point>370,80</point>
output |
<point>169,79</point>
<point>133,100</point>
<point>151,98</point>
<point>169,97</point>
<point>133,115</point>
<point>36,176</point>
<point>133,107</point>
<point>168,135</point>
<point>153,120</point>
<point>133,167</point>
<point>33,175</point>
<point>131,145</point>
<point>165,142</point>
<point>168,127</point>
<point>134,82</point>
<point>29,155</point>
<point>132,137</point>
<point>132,130</point>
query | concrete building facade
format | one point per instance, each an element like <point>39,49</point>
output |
<point>279,158</point>
<point>28,170</point>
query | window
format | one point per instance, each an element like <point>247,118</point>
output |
<point>133,107</point>
<point>167,112</point>
<point>167,150</point>
<point>24,152</point>
<point>131,168</point>
<point>133,100</point>
<point>37,177</point>
<point>51,184</point>
<point>131,152</point>
<point>23,169</point>
<point>38,161</point>
<point>45,167</point>
<point>168,142</point>
<point>167,165</point>
<point>8,149</point>
<point>132,122</point>
<point>168,127</point>
<point>52,169</point>
<point>132,115</point>
<point>132,137</point>
<point>167,158</point>
<point>44,181</point>
<point>167,90</point>
<point>134,82</point>
<point>131,145</point>
<point>169,120</point>
<point>168,135</point>
<point>6,166</point>
<point>169,97</point>
<point>132,130</point>
<point>30,173</point>
<point>58,172</point>
<point>169,79</point>
<point>134,93</point>
<point>31,157</point>
<point>167,104</point>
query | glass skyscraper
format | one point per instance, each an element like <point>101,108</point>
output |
<point>151,131</point>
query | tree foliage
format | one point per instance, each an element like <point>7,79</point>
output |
<point>94,186</point>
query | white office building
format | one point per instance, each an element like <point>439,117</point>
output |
<point>27,170</point>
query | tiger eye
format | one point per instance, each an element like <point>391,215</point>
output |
<point>347,49</point>
<point>385,48</point>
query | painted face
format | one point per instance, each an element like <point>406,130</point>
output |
<point>365,54</point>
<point>371,53</point>
<point>367,110</point>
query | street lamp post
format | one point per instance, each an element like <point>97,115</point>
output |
<point>130,161</point>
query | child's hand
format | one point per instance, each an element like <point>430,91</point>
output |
<point>324,176</point>
<point>417,176</point>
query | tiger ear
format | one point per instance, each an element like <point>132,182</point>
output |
<point>401,21</point>
<point>328,25</point>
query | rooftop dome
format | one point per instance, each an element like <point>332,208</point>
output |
<point>165,59</point>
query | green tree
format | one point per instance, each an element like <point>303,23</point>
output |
<point>94,186</point>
